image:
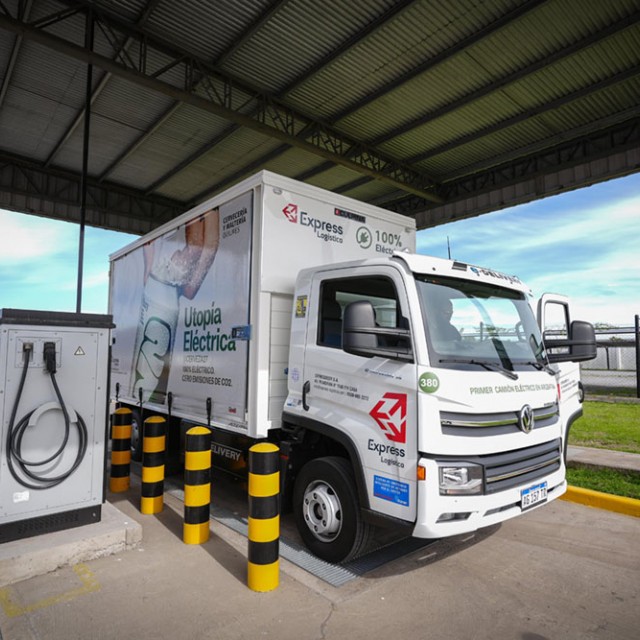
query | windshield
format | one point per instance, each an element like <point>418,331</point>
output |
<point>479,324</point>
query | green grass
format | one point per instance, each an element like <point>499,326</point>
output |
<point>608,425</point>
<point>618,483</point>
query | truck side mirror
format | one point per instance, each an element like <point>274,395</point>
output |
<point>581,344</point>
<point>358,325</point>
<point>583,338</point>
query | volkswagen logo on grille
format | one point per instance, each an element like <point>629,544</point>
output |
<point>526,419</point>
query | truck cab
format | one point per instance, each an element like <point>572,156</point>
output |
<point>422,395</point>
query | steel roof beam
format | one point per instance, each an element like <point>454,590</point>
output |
<point>586,145</point>
<point>371,27</point>
<point>527,115</point>
<point>14,55</point>
<point>436,60</point>
<point>241,173</point>
<point>494,86</point>
<point>273,9</point>
<point>151,5</point>
<point>60,190</point>
<point>273,119</point>
<point>474,38</point>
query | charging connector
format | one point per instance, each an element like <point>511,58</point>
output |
<point>49,355</point>
<point>26,471</point>
<point>27,350</point>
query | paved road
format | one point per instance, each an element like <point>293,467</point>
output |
<point>562,571</point>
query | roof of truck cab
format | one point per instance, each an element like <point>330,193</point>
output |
<point>429,265</point>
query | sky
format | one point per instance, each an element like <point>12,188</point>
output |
<point>584,244</point>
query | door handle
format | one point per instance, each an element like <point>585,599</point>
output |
<point>306,387</point>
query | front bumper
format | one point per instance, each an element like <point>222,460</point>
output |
<point>440,516</point>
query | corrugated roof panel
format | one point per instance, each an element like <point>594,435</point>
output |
<point>50,74</point>
<point>30,124</point>
<point>184,133</point>
<point>457,161</point>
<point>551,82</point>
<point>130,10</point>
<point>298,36</point>
<point>480,65</point>
<point>416,35</point>
<point>540,131</point>
<point>281,42</point>
<point>105,144</point>
<point>130,105</point>
<point>6,47</point>
<point>205,29</point>
<point>530,94</point>
<point>449,82</point>
<point>294,162</point>
<point>621,98</point>
<point>373,191</point>
<point>230,155</point>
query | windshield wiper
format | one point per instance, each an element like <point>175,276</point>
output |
<point>490,366</point>
<point>541,366</point>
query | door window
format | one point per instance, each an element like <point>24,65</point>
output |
<point>335,295</point>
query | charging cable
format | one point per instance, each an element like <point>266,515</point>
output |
<point>15,432</point>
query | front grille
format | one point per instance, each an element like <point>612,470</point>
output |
<point>494,424</point>
<point>522,466</point>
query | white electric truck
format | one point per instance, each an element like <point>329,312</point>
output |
<point>402,390</point>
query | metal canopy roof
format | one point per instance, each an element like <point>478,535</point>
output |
<point>438,110</point>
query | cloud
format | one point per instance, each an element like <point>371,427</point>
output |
<point>39,264</point>
<point>583,244</point>
<point>27,238</point>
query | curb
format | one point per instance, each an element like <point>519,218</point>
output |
<point>619,504</point>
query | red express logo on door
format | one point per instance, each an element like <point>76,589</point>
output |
<point>391,415</point>
<point>291,212</point>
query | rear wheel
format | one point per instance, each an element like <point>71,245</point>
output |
<point>136,435</point>
<point>327,510</point>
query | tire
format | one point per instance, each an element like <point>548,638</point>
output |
<point>136,435</point>
<point>327,510</point>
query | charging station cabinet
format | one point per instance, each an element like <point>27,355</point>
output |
<point>54,381</point>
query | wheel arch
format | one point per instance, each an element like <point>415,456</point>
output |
<point>345,442</point>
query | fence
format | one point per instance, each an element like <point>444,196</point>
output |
<point>615,367</point>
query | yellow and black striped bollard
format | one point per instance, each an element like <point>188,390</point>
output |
<point>120,474</point>
<point>264,517</point>
<point>197,485</point>
<point>153,447</point>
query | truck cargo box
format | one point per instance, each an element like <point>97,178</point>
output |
<point>203,304</point>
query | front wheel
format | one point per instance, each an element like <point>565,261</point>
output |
<point>327,510</point>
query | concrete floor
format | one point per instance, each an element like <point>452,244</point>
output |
<point>562,571</point>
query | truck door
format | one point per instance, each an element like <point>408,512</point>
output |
<point>554,320</point>
<point>371,401</point>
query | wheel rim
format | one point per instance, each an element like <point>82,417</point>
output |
<point>136,435</point>
<point>322,511</point>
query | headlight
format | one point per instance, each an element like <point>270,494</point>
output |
<point>460,480</point>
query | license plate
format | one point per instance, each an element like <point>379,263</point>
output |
<point>533,495</point>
